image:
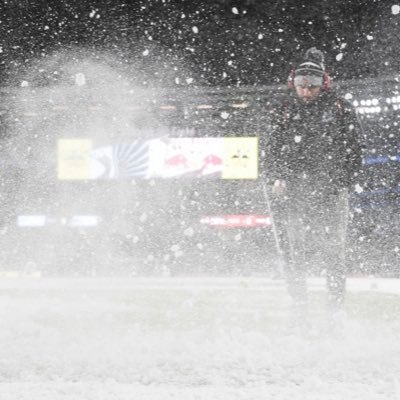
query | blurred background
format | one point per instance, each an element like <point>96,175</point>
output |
<point>220,42</point>
<point>132,131</point>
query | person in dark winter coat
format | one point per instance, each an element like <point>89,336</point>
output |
<point>313,162</point>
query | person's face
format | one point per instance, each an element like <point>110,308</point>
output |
<point>308,94</point>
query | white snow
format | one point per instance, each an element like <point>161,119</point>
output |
<point>224,115</point>
<point>395,9</point>
<point>193,338</point>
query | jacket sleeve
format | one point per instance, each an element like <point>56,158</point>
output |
<point>354,134</point>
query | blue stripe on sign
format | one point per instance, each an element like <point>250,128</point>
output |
<point>371,160</point>
<point>131,159</point>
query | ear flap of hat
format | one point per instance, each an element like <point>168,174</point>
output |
<point>290,81</point>
<point>327,81</point>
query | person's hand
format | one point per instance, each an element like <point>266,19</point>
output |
<point>279,188</point>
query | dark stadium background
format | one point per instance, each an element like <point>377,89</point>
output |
<point>251,41</point>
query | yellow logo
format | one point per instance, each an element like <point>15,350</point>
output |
<point>240,159</point>
<point>74,158</point>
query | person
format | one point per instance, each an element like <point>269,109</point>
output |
<point>313,160</point>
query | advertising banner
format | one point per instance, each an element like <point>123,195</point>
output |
<point>219,158</point>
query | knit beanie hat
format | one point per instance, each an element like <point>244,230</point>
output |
<point>311,70</point>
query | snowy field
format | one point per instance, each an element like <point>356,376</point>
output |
<point>193,338</point>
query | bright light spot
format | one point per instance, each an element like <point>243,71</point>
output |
<point>146,52</point>
<point>358,188</point>
<point>224,115</point>
<point>143,217</point>
<point>92,14</point>
<point>395,9</point>
<point>339,57</point>
<point>343,46</point>
<point>370,37</point>
<point>297,138</point>
<point>235,10</point>
<point>189,80</point>
<point>80,79</point>
<point>195,29</point>
<point>375,102</point>
<point>24,84</point>
<point>189,232</point>
<point>175,248</point>
<point>260,36</point>
<point>348,96</point>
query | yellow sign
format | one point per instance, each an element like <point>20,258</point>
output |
<point>74,158</point>
<point>240,159</point>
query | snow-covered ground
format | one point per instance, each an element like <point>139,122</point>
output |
<point>193,338</point>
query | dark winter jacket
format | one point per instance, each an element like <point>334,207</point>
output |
<point>316,145</point>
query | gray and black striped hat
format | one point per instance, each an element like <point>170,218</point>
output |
<point>312,68</point>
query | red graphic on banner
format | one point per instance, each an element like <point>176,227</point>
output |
<point>237,221</point>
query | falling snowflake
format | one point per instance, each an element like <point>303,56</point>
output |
<point>395,9</point>
<point>358,188</point>
<point>224,115</point>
